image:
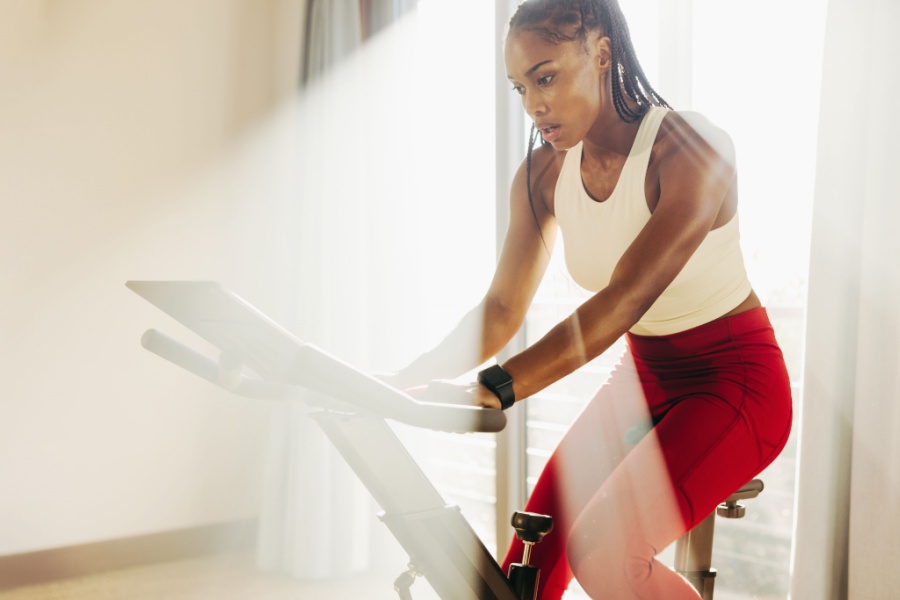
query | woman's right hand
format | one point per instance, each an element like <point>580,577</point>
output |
<point>444,391</point>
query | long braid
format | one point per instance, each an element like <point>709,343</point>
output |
<point>532,138</point>
<point>622,62</point>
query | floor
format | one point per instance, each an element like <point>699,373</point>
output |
<point>234,577</point>
<point>221,577</point>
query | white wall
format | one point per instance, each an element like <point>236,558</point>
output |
<point>121,131</point>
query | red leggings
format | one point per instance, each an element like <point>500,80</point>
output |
<point>683,421</point>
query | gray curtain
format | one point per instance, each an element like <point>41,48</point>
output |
<point>378,14</point>
<point>336,28</point>
<point>333,31</point>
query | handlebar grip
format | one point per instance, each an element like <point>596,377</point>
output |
<point>181,355</point>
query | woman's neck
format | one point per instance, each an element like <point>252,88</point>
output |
<point>610,135</point>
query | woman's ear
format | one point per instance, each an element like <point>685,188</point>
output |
<point>603,53</point>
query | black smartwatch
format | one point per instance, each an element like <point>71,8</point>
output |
<point>500,382</point>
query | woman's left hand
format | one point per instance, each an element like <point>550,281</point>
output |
<point>450,392</point>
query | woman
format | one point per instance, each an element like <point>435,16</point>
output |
<point>646,200</point>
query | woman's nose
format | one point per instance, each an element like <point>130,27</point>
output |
<point>534,106</point>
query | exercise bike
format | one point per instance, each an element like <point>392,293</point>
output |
<point>260,359</point>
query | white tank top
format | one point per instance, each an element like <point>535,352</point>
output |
<point>596,235</point>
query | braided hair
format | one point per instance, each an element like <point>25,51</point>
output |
<point>559,21</point>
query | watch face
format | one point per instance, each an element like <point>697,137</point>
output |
<point>496,377</point>
<point>500,382</point>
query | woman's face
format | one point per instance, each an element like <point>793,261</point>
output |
<point>560,84</point>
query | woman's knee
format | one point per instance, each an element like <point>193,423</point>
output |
<point>613,565</point>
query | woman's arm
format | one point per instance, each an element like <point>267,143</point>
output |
<point>696,177</point>
<point>486,329</point>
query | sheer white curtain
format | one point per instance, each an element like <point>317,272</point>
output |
<point>848,505</point>
<point>391,238</point>
<point>311,523</point>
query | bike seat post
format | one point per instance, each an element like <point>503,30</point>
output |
<point>693,557</point>
<point>530,529</point>
<point>526,553</point>
<point>693,551</point>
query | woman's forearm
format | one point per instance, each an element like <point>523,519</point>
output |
<point>574,342</point>
<point>479,336</point>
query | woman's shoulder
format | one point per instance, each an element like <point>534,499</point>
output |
<point>546,165</point>
<point>547,162</point>
<point>689,134</point>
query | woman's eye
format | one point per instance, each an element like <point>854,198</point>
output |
<point>545,80</point>
<point>518,89</point>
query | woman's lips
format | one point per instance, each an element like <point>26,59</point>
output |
<point>551,133</point>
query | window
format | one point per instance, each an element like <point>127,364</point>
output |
<point>755,92</point>
<point>452,217</point>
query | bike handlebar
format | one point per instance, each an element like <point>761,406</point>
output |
<point>344,388</point>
